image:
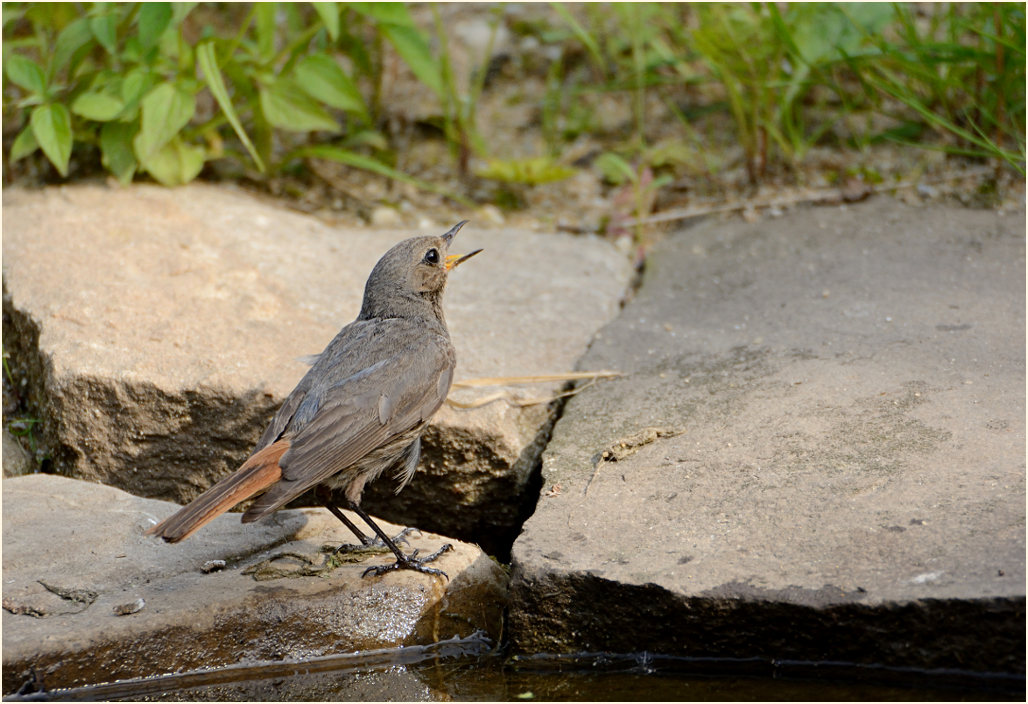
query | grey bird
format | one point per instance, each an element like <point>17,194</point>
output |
<point>361,408</point>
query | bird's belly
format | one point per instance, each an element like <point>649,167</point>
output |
<point>368,468</point>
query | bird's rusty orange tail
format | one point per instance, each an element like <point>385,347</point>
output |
<point>258,473</point>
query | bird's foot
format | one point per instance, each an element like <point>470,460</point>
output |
<point>375,543</point>
<point>411,562</point>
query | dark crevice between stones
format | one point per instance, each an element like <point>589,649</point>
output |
<point>505,494</point>
<point>25,398</point>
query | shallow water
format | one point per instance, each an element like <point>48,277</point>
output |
<point>467,670</point>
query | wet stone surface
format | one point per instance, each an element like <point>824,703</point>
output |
<point>816,452</point>
<point>89,598</point>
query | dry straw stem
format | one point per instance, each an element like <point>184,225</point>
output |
<point>816,196</point>
<point>507,395</point>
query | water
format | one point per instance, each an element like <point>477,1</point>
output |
<point>467,670</point>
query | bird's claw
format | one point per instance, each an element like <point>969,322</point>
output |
<point>411,562</point>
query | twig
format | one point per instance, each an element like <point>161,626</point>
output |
<point>817,196</point>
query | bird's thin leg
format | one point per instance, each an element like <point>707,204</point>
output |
<point>403,562</point>
<point>324,495</point>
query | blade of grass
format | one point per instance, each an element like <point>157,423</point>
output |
<point>207,58</point>
<point>891,85</point>
<point>580,33</point>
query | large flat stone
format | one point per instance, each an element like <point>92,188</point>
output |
<point>817,451</point>
<point>74,551</point>
<point>159,330</point>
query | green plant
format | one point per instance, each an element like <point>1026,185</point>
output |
<point>817,37</point>
<point>164,87</point>
<point>459,106</point>
<point>959,71</point>
<point>530,172</point>
<point>22,426</point>
<point>636,196</point>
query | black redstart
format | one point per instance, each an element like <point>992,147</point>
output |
<point>361,408</point>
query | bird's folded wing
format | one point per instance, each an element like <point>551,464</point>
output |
<point>359,414</point>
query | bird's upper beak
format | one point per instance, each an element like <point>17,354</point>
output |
<point>453,231</point>
<point>454,259</point>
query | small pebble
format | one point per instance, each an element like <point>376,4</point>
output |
<point>491,215</point>
<point>212,566</point>
<point>384,216</point>
<point>129,608</point>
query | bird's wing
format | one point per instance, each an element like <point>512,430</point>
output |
<point>337,423</point>
<point>339,356</point>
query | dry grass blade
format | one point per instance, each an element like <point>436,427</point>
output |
<point>510,397</point>
<point>534,379</point>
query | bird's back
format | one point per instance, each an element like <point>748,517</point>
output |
<point>368,395</point>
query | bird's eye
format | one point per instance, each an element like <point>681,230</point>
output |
<point>432,256</point>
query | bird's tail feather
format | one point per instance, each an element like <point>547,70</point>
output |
<point>258,473</point>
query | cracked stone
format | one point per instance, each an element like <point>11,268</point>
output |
<point>807,427</point>
<point>176,326</point>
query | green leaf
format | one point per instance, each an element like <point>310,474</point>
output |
<point>154,18</point>
<point>384,12</point>
<point>24,144</point>
<point>615,169</point>
<point>166,110</point>
<point>136,84</point>
<point>51,126</point>
<point>105,29</point>
<point>72,38</point>
<point>413,48</point>
<point>322,78</point>
<point>287,107</point>
<point>99,107</point>
<point>26,73</point>
<point>329,14</point>
<point>533,171</point>
<point>266,29</point>
<point>180,10</point>
<point>116,149</point>
<point>397,26</point>
<point>176,163</point>
<point>208,61</point>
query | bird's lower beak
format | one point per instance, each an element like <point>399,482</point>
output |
<point>454,260</point>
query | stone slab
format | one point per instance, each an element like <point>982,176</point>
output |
<point>159,329</point>
<point>817,451</point>
<point>75,552</point>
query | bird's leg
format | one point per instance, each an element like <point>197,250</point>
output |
<point>403,562</point>
<point>324,494</point>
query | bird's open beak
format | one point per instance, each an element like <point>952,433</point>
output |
<point>454,259</point>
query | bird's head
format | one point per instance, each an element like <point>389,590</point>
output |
<point>409,279</point>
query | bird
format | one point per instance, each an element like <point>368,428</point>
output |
<point>360,409</point>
